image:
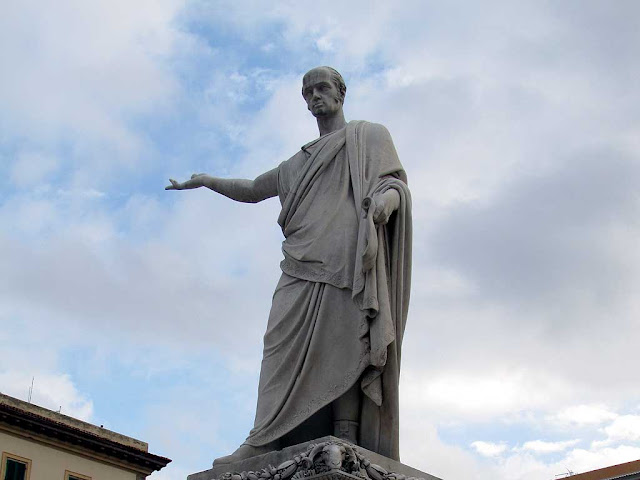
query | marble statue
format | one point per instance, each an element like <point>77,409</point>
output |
<point>331,358</point>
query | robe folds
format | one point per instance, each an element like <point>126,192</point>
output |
<point>339,310</point>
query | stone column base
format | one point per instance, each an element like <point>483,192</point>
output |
<point>326,458</point>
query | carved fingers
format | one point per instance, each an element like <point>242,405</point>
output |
<point>385,204</point>
<point>174,185</point>
<point>381,212</point>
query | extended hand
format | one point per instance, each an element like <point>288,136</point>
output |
<point>185,185</point>
<point>174,185</point>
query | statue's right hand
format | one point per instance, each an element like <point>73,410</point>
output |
<point>174,185</point>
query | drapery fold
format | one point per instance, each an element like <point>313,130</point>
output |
<point>339,312</point>
<point>382,281</point>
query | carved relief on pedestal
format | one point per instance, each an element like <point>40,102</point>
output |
<point>331,460</point>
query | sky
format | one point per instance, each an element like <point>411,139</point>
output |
<point>518,123</point>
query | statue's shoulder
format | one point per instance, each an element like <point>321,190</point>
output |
<point>295,161</point>
<point>370,128</point>
<point>375,134</point>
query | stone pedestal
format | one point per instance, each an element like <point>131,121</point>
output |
<point>326,458</point>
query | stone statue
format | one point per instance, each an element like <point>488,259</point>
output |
<point>331,358</point>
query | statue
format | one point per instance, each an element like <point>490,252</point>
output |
<point>331,358</point>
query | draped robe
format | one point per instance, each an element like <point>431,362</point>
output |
<point>340,307</point>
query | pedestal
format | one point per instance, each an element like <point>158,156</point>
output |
<point>326,458</point>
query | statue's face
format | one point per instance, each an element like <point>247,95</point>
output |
<point>320,93</point>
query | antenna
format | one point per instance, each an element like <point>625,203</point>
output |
<point>31,389</point>
<point>565,475</point>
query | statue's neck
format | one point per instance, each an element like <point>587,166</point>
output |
<point>331,124</point>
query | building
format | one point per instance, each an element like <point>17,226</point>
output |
<point>623,471</point>
<point>39,444</point>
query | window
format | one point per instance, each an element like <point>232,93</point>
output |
<point>74,476</point>
<point>15,467</point>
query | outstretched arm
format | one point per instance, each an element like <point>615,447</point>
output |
<point>248,191</point>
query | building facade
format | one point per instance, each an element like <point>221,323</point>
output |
<point>39,444</point>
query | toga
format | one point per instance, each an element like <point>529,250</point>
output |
<point>340,307</point>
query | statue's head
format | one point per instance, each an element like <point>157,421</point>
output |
<point>323,89</point>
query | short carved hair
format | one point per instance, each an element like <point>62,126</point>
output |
<point>336,78</point>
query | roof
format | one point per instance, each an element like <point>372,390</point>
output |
<point>77,434</point>
<point>620,471</point>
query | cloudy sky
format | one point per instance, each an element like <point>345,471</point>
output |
<point>518,124</point>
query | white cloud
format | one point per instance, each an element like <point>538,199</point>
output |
<point>584,415</point>
<point>86,273</point>
<point>541,446</point>
<point>482,396</point>
<point>422,448</point>
<point>623,428</point>
<point>489,449</point>
<point>53,391</point>
<point>527,465</point>
<point>74,74</point>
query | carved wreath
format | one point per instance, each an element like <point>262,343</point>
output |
<point>323,457</point>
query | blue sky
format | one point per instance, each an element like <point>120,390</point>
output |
<point>143,310</point>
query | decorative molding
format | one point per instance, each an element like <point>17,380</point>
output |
<point>332,460</point>
<point>24,423</point>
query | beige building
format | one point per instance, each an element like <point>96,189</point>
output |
<point>39,444</point>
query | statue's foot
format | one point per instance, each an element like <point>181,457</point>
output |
<point>242,453</point>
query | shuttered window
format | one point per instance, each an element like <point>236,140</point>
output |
<point>15,467</point>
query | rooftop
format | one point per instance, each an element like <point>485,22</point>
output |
<point>17,415</point>
<point>629,470</point>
